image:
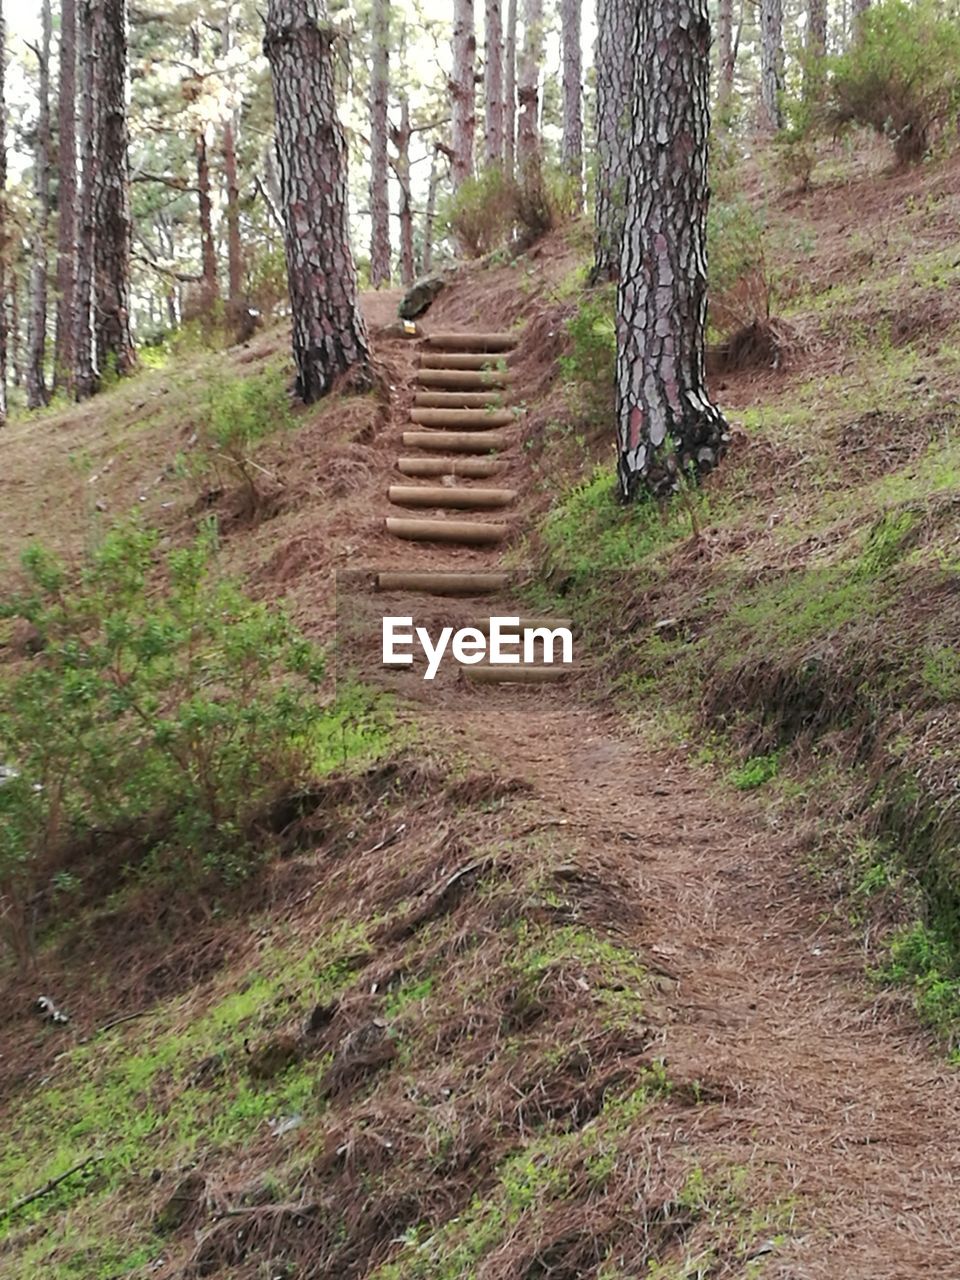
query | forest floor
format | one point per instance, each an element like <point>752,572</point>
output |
<point>545,990</point>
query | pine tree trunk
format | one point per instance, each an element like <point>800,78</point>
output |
<point>4,235</point>
<point>816,48</point>
<point>510,92</point>
<point>401,140</point>
<point>430,213</point>
<point>209,288</point>
<point>66,195</point>
<point>329,335</point>
<point>572,148</point>
<point>616,21</point>
<point>771,65</point>
<point>37,315</point>
<point>725,54</point>
<point>666,424</point>
<point>379,189</point>
<point>493,83</point>
<point>114,227</point>
<point>235,297</point>
<point>86,377</point>
<point>13,332</point>
<point>463,91</point>
<point>528,91</point>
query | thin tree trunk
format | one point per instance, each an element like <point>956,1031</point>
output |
<point>114,227</point>
<point>430,213</point>
<point>771,65</point>
<point>493,83</point>
<point>37,315</point>
<point>401,140</point>
<point>329,335</point>
<point>528,87</point>
<point>379,189</point>
<point>816,48</point>
<point>86,378</point>
<point>510,92</point>
<point>14,330</point>
<point>4,236</point>
<point>66,196</point>
<point>616,20</point>
<point>857,10</point>
<point>725,54</point>
<point>666,424</point>
<point>235,300</point>
<point>463,91</point>
<point>209,288</point>
<point>572,148</point>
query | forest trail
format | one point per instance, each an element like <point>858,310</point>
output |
<point>824,1090</point>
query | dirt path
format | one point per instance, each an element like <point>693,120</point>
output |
<point>824,1091</point>
<point>832,1093</point>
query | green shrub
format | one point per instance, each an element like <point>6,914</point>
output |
<point>902,78</point>
<point>589,366</point>
<point>741,286</point>
<point>237,414</point>
<point>160,702</point>
<point>482,214</point>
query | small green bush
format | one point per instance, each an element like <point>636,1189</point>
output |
<point>902,78</point>
<point>160,702</point>
<point>589,366</point>
<point>482,214</point>
<point>741,286</point>
<point>237,414</point>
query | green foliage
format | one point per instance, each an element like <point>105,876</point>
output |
<point>925,962</point>
<point>755,772</point>
<point>161,700</point>
<point>589,365</point>
<point>902,77</point>
<point>741,286</point>
<point>590,531</point>
<point>482,214</point>
<point>237,414</point>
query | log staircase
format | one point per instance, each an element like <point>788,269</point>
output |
<point>459,440</point>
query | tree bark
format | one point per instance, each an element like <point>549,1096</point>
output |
<point>510,92</point>
<point>666,424</point>
<point>379,189</point>
<point>616,20</point>
<point>463,91</point>
<point>528,89</point>
<point>37,316</point>
<point>209,287</point>
<point>4,234</point>
<point>572,146</point>
<point>725,54</point>
<point>86,377</point>
<point>816,48</point>
<point>771,65</point>
<point>114,227</point>
<point>493,84</point>
<point>329,335</point>
<point>401,136</point>
<point>63,357</point>
<point>235,299</point>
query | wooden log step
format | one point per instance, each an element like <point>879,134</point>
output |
<point>460,360</point>
<point>462,379</point>
<point>459,399</point>
<point>521,673</point>
<point>457,497</point>
<point>469,468</point>
<point>443,584</point>
<point>525,624</point>
<point>473,533</point>
<point>471,341</point>
<point>457,441</point>
<point>460,418</point>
